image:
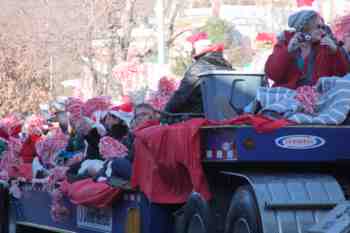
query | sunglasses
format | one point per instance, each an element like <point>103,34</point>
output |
<point>321,27</point>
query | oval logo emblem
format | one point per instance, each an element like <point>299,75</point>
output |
<point>300,142</point>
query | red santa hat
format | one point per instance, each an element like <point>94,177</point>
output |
<point>123,111</point>
<point>201,44</point>
<point>266,37</point>
<point>301,3</point>
<point>197,37</point>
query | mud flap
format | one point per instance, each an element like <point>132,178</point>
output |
<point>336,221</point>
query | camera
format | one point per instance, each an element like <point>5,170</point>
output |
<point>303,37</point>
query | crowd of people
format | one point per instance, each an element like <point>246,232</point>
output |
<point>86,139</point>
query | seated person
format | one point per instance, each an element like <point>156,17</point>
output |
<point>111,125</point>
<point>34,128</point>
<point>77,131</point>
<point>188,97</point>
<point>61,117</point>
<point>115,165</point>
<point>115,125</point>
<point>142,113</point>
<point>303,56</point>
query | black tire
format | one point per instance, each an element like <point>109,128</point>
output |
<point>196,216</point>
<point>243,215</point>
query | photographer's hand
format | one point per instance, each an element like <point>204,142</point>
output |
<point>297,42</point>
<point>327,41</point>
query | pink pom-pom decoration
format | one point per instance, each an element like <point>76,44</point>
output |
<point>48,147</point>
<point>11,125</point>
<point>159,98</point>
<point>35,124</point>
<point>167,85</point>
<point>112,148</point>
<point>308,98</point>
<point>74,106</point>
<point>100,103</point>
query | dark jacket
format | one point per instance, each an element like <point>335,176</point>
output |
<point>188,97</point>
<point>128,141</point>
<point>93,139</point>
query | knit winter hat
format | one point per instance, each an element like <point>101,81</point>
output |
<point>299,19</point>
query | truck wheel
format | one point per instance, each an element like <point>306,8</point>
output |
<point>243,215</point>
<point>196,215</point>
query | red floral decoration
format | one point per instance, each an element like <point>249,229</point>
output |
<point>159,98</point>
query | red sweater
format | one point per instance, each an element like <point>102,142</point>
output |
<point>28,151</point>
<point>281,66</point>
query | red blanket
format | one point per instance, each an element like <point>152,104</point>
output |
<point>167,165</point>
<point>89,193</point>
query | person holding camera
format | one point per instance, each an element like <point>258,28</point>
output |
<point>306,54</point>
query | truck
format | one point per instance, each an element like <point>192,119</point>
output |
<point>294,179</point>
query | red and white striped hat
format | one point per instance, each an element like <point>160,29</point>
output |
<point>123,111</point>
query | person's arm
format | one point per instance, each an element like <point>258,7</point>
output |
<point>93,139</point>
<point>279,62</point>
<point>342,63</point>
<point>336,60</point>
<point>181,95</point>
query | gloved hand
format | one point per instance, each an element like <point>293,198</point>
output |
<point>329,42</point>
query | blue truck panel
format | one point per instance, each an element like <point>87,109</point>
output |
<point>34,208</point>
<point>288,144</point>
<point>233,144</point>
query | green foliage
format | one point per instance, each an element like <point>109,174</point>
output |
<point>215,27</point>
<point>180,64</point>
